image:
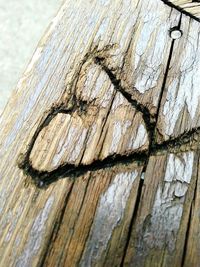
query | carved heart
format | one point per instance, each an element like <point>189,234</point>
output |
<point>189,7</point>
<point>101,124</point>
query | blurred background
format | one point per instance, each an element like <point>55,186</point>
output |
<point>22,24</point>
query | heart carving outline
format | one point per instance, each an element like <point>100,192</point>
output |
<point>44,178</point>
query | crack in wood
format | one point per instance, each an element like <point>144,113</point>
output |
<point>57,223</point>
<point>133,218</point>
<point>190,219</point>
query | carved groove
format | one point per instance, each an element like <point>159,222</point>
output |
<point>43,178</point>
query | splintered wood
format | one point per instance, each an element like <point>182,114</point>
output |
<point>99,144</point>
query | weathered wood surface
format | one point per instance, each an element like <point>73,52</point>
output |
<point>189,7</point>
<point>99,144</point>
<point>180,105</point>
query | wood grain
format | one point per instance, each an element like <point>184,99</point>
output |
<point>191,257</point>
<point>160,229</point>
<point>99,142</point>
<point>179,111</point>
<point>100,123</point>
<point>96,218</point>
<point>189,7</point>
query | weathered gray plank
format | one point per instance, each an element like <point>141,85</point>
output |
<point>160,228</point>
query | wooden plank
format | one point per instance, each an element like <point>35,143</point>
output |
<point>80,32</point>
<point>160,229</point>
<point>85,110</point>
<point>179,111</point>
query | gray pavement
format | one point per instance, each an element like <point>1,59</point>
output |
<point>22,24</point>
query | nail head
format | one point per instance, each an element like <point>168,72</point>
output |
<point>175,34</point>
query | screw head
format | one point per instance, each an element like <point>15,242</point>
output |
<point>175,33</point>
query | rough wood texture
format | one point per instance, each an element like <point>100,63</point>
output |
<point>189,7</point>
<point>100,123</point>
<point>180,105</point>
<point>160,229</point>
<point>99,142</point>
